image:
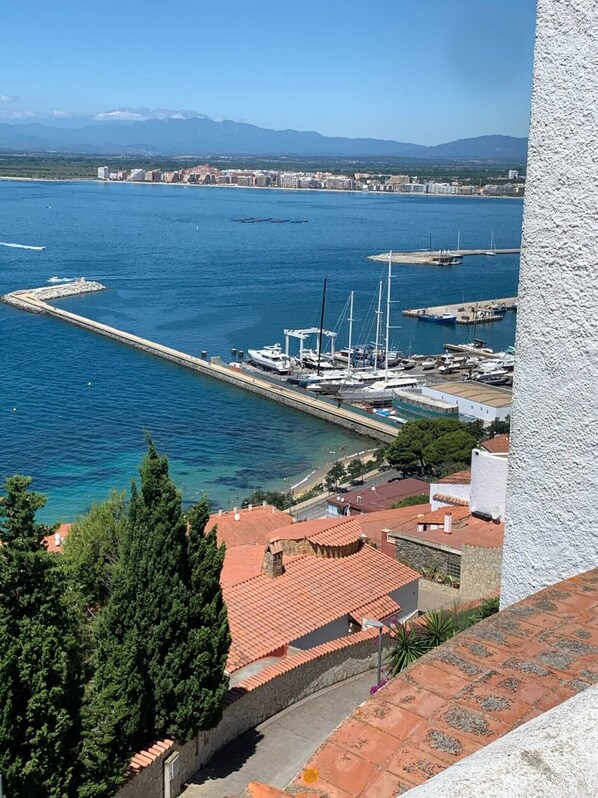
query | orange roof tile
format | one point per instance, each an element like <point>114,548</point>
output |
<point>54,542</point>
<point>464,694</point>
<point>267,613</point>
<point>446,498</point>
<point>380,609</point>
<point>374,525</point>
<point>254,526</point>
<point>341,534</point>
<point>474,532</point>
<point>458,478</point>
<point>437,516</point>
<point>500,444</point>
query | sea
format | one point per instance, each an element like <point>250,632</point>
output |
<point>180,269</point>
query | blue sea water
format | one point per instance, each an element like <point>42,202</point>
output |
<point>75,408</point>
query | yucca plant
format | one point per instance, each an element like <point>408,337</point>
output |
<point>409,644</point>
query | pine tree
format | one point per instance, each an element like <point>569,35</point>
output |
<point>40,674</point>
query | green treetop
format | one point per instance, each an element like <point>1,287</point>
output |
<point>40,665</point>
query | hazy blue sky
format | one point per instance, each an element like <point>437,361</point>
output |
<point>414,70</point>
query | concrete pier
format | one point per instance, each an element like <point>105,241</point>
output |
<point>438,257</point>
<point>480,312</point>
<point>362,423</point>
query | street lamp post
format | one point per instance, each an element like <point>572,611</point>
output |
<point>371,623</point>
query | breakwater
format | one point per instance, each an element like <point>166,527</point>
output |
<point>438,257</point>
<point>35,301</point>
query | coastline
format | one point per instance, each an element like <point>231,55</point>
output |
<point>251,188</point>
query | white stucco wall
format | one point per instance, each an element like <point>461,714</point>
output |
<point>324,634</point>
<point>488,483</point>
<point>552,756</point>
<point>552,494</point>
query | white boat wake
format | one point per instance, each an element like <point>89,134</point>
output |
<point>61,279</point>
<point>20,246</point>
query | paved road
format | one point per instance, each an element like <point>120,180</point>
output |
<point>277,750</point>
<point>318,509</point>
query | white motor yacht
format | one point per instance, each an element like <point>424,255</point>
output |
<point>271,358</point>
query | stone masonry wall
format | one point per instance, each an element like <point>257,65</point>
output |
<point>480,571</point>
<point>419,557</point>
<point>257,699</point>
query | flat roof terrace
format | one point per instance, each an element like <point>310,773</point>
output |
<point>475,392</point>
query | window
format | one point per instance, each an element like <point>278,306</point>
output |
<point>453,567</point>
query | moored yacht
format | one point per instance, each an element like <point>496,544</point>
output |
<point>271,358</point>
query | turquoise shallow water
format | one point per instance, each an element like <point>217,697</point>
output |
<point>180,271</point>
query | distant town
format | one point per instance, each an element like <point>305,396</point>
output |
<point>512,185</point>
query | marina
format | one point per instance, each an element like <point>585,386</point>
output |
<point>34,301</point>
<point>479,312</point>
<point>440,257</point>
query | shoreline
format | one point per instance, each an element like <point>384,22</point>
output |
<point>252,188</point>
<point>317,475</point>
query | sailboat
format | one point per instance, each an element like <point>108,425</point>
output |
<point>492,251</point>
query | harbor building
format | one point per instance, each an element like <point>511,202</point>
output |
<point>473,399</point>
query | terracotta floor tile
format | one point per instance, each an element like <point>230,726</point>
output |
<point>386,785</point>
<point>389,718</point>
<point>365,741</point>
<point>407,696</point>
<point>554,698</point>
<point>329,790</point>
<point>440,742</point>
<point>413,765</point>
<point>524,687</point>
<point>475,723</point>
<point>441,681</point>
<point>348,772</point>
<point>495,703</point>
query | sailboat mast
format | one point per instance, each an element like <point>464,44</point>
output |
<point>378,320</point>
<point>387,340</point>
<point>321,326</point>
<point>458,242</point>
<point>350,355</point>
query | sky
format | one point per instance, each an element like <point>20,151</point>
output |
<point>424,71</point>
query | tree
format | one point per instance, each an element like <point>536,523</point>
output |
<point>162,639</point>
<point>336,474</point>
<point>274,497</point>
<point>498,427</point>
<point>355,469</point>
<point>411,501</point>
<point>423,446</point>
<point>40,656</point>
<point>91,550</point>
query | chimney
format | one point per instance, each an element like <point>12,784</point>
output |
<point>264,503</point>
<point>272,564</point>
<point>57,539</point>
<point>250,507</point>
<point>448,523</point>
<point>219,512</point>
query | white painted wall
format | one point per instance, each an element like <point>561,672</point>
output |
<point>324,634</point>
<point>488,483</point>
<point>466,407</point>
<point>552,494</point>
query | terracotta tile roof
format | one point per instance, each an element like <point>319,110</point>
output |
<point>474,532</point>
<point>374,524</point>
<point>380,609</point>
<point>254,526</point>
<point>446,498</point>
<point>54,543</point>
<point>341,534</point>
<point>463,695</point>
<point>500,444</point>
<point>437,516</point>
<point>458,478</point>
<point>383,497</point>
<point>266,613</point>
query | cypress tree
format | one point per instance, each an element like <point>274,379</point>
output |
<point>40,656</point>
<point>162,638</point>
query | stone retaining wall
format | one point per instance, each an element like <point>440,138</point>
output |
<point>250,703</point>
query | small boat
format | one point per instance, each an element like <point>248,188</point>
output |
<point>428,364</point>
<point>271,358</point>
<point>439,318</point>
<point>495,377</point>
<point>406,363</point>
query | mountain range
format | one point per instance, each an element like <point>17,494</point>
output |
<point>163,132</point>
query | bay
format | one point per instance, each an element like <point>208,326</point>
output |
<point>75,409</point>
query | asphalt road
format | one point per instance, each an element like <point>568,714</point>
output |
<point>276,750</point>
